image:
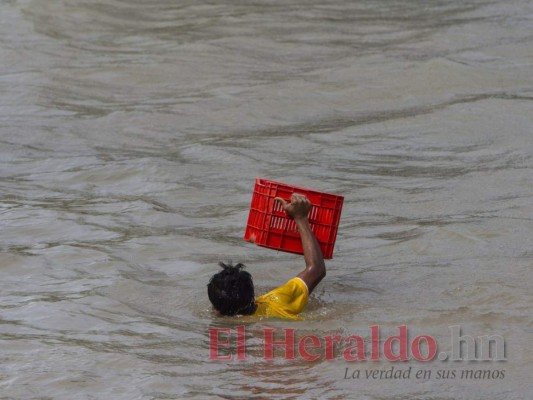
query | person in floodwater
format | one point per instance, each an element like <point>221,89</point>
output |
<point>231,291</point>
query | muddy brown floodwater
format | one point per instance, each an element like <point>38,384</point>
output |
<point>131,133</point>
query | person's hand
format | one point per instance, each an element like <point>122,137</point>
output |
<point>298,207</point>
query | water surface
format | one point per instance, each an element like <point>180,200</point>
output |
<point>130,137</point>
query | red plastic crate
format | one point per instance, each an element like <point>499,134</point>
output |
<point>269,226</point>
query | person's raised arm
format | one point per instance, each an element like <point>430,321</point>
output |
<point>315,268</point>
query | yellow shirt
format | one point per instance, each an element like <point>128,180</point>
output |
<point>286,301</point>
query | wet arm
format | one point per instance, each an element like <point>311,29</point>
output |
<point>315,268</point>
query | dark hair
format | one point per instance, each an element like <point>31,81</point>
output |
<point>231,291</point>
